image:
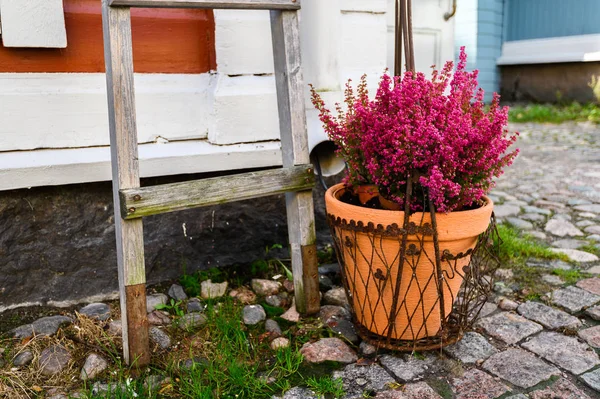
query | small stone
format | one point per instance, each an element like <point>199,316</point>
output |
<point>406,368</point>
<point>573,299</point>
<point>548,317</point>
<point>244,295</point>
<point>253,314</point>
<point>272,327</point>
<point>562,228</point>
<point>328,349</point>
<point>502,211</point>
<point>591,336</point>
<point>195,362</point>
<point>264,287</point>
<point>23,359</point>
<point>576,255</point>
<point>94,365</point>
<point>509,327</point>
<point>280,343</point>
<point>191,320</point>
<point>288,285</point>
<point>344,328</point>
<point>330,269</point>
<point>487,309</point>
<point>504,274</point>
<point>159,318</point>
<point>53,360</point>
<point>552,279</point>
<point>291,314</point>
<point>568,243</point>
<point>476,384</point>
<point>160,338</point>
<point>154,300</point>
<point>520,368</point>
<point>300,393</point>
<point>154,382</point>
<point>507,304</point>
<point>273,300</point>
<point>194,306</point>
<point>325,283</point>
<point>98,311</point>
<point>335,296</point>
<point>519,223</point>
<point>328,312</point>
<point>566,352</point>
<point>366,349</point>
<point>115,327</point>
<point>472,348</point>
<point>592,229</point>
<point>210,290</point>
<point>537,234</point>
<point>44,326</point>
<point>561,389</point>
<point>592,379</point>
<point>176,292</point>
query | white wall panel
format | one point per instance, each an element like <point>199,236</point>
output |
<point>33,23</point>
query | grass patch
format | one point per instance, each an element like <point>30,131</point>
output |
<point>517,249</point>
<point>591,248</point>
<point>326,386</point>
<point>548,113</point>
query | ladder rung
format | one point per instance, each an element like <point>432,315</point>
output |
<point>153,200</point>
<point>214,4</point>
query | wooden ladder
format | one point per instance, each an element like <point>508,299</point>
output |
<point>132,202</point>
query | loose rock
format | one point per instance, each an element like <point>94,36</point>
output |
<point>191,320</point>
<point>44,326</point>
<point>328,312</point>
<point>366,349</point>
<point>594,312</point>
<point>244,295</point>
<point>53,360</point>
<point>98,311</point>
<point>291,314</point>
<point>160,337</point>
<point>273,300</point>
<point>154,300</point>
<point>328,349</point>
<point>280,343</point>
<point>272,326</point>
<point>93,367</point>
<point>335,296</point>
<point>264,287</point>
<point>211,290</point>
<point>115,327</point>
<point>504,274</point>
<point>507,304</point>
<point>194,306</point>
<point>159,318</point>
<point>566,352</point>
<point>253,314</point>
<point>23,359</point>
<point>176,292</point>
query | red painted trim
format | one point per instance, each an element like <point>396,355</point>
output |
<point>164,41</point>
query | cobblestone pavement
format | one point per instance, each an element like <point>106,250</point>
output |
<point>544,349</point>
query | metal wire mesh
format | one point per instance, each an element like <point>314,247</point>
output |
<point>406,290</point>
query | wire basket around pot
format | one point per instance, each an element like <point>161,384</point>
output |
<point>416,281</point>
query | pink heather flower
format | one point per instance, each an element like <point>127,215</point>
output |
<point>435,131</point>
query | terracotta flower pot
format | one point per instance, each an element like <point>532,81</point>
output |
<point>371,266</point>
<point>366,192</point>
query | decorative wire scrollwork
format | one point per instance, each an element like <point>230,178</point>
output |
<point>417,296</point>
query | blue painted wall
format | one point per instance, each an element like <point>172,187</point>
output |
<point>535,19</point>
<point>479,26</point>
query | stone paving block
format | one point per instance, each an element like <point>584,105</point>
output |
<point>472,348</point>
<point>590,284</point>
<point>520,368</point>
<point>518,396</point>
<point>594,312</point>
<point>502,211</point>
<point>547,316</point>
<point>566,352</point>
<point>509,327</point>
<point>549,264</point>
<point>562,228</point>
<point>405,368</point>
<point>552,279</point>
<point>576,255</point>
<point>519,223</point>
<point>592,208</point>
<point>591,336</point>
<point>417,390</point>
<point>592,379</point>
<point>476,384</point>
<point>594,229</point>
<point>561,389</point>
<point>573,299</point>
<point>358,379</point>
<point>568,243</point>
<point>533,217</point>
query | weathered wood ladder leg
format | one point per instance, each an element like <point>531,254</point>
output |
<point>294,148</point>
<point>125,174</point>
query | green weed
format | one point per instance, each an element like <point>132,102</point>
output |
<point>546,113</point>
<point>174,307</point>
<point>326,386</point>
<point>517,249</point>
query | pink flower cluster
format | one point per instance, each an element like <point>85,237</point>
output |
<point>437,132</point>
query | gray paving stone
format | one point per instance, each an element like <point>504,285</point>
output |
<point>472,348</point>
<point>552,279</point>
<point>566,352</point>
<point>592,379</point>
<point>535,209</point>
<point>593,312</point>
<point>568,243</point>
<point>594,237</point>
<point>561,389</point>
<point>519,223</point>
<point>547,316</point>
<point>576,255</point>
<point>573,299</point>
<point>590,284</point>
<point>549,264</point>
<point>508,327</point>
<point>562,228</point>
<point>591,336</point>
<point>502,211</point>
<point>416,390</point>
<point>595,229</point>
<point>405,368</point>
<point>584,223</point>
<point>588,215</point>
<point>537,234</point>
<point>359,379</point>
<point>518,396</point>
<point>520,368</point>
<point>476,384</point>
<point>533,217</point>
<point>99,311</point>
<point>593,208</point>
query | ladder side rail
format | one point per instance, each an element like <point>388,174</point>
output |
<point>212,4</point>
<point>125,174</point>
<point>294,148</point>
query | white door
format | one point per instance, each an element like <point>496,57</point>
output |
<point>433,36</point>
